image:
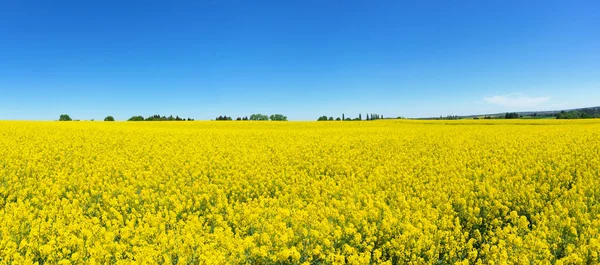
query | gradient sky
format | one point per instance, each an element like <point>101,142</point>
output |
<point>304,59</point>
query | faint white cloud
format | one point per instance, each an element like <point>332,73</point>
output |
<point>516,101</point>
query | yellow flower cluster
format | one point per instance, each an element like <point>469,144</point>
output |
<point>380,192</point>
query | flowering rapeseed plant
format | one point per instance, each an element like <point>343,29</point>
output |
<point>382,192</point>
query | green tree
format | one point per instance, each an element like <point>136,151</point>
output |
<point>574,114</point>
<point>64,117</point>
<point>259,117</point>
<point>224,118</point>
<point>109,118</point>
<point>512,115</point>
<point>322,118</point>
<point>136,118</point>
<point>278,117</point>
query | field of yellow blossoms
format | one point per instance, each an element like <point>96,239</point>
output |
<point>379,192</point>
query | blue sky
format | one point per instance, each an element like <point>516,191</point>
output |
<point>301,58</point>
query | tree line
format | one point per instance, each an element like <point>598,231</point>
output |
<point>578,114</point>
<point>369,117</point>
<point>586,113</point>
<point>66,117</point>
<point>157,117</point>
<point>254,117</point>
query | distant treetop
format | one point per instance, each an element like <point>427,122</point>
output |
<point>254,117</point>
<point>369,117</point>
<point>278,117</point>
<point>136,118</point>
<point>259,117</point>
<point>157,117</point>
<point>64,117</point>
<point>512,115</point>
<point>224,118</point>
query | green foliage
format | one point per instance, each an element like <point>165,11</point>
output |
<point>157,117</point>
<point>449,117</point>
<point>224,118</point>
<point>109,118</point>
<point>278,117</point>
<point>259,117</point>
<point>64,117</point>
<point>136,118</point>
<point>512,115</point>
<point>369,117</point>
<point>374,117</point>
<point>576,114</point>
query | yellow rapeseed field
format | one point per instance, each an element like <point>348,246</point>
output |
<point>379,192</point>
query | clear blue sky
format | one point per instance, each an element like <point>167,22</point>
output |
<point>301,58</point>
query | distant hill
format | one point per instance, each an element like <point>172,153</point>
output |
<point>589,112</point>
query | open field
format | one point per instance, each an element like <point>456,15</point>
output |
<point>382,192</point>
